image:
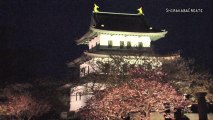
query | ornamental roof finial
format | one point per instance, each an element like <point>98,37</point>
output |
<point>95,8</point>
<point>140,11</point>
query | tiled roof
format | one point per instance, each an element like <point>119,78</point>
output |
<point>122,22</point>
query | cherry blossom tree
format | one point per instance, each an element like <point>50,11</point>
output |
<point>137,95</point>
<point>25,107</point>
<point>143,89</point>
<point>118,69</point>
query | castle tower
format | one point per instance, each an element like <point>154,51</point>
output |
<point>116,33</point>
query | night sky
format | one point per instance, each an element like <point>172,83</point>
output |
<point>37,37</point>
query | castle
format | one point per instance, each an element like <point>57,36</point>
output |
<point>118,34</point>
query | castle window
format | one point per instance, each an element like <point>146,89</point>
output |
<point>128,45</point>
<point>83,70</point>
<point>110,44</point>
<point>106,68</point>
<point>140,45</point>
<point>121,44</point>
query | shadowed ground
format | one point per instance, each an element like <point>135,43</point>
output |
<point>191,116</point>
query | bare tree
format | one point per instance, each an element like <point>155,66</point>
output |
<point>182,75</point>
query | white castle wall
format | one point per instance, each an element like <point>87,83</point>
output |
<point>103,39</point>
<point>82,93</point>
<point>117,38</point>
<point>94,42</point>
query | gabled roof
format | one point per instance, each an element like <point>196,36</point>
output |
<point>121,22</point>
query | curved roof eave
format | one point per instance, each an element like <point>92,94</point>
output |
<point>89,35</point>
<point>153,35</point>
<point>94,32</point>
<point>170,57</point>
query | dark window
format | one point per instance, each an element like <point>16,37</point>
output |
<point>83,71</point>
<point>128,45</point>
<point>140,45</point>
<point>121,44</point>
<point>96,46</point>
<point>110,44</point>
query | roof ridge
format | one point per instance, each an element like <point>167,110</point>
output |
<point>117,13</point>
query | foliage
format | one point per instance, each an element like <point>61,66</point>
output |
<point>145,87</point>
<point>181,74</point>
<point>25,107</point>
<point>115,69</point>
<point>138,95</point>
<point>3,109</point>
<point>153,74</point>
<point>27,101</point>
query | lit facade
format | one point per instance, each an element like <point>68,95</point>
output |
<point>117,33</point>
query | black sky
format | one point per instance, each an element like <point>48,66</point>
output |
<point>37,36</point>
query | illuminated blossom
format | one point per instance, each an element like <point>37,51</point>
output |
<point>138,95</point>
